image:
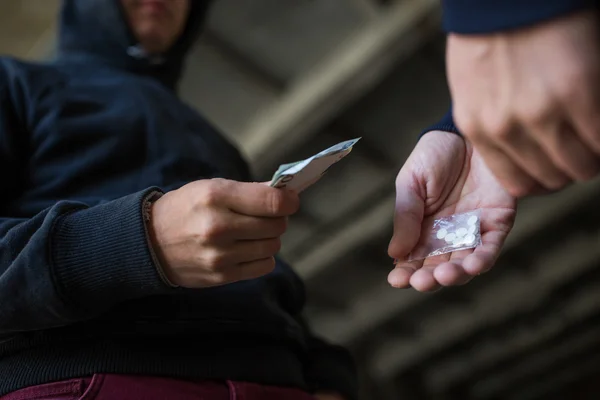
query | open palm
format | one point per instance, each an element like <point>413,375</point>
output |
<point>445,176</point>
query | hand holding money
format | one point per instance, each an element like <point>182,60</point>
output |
<point>216,231</point>
<point>299,175</point>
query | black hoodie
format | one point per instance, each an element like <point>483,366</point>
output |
<point>84,142</point>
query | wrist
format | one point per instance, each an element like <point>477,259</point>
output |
<point>151,233</point>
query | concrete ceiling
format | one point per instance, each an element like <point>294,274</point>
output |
<point>285,79</point>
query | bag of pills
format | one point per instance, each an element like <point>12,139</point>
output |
<point>452,233</point>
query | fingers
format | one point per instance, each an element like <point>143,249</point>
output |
<point>254,269</point>
<point>512,177</point>
<point>451,274</point>
<point>533,159</point>
<point>587,123</point>
<point>483,257</point>
<point>254,199</point>
<point>400,276</point>
<point>544,121</point>
<point>225,257</point>
<point>545,158</point>
<point>408,216</point>
<point>253,250</point>
<point>430,277</point>
<point>243,227</point>
<point>569,152</point>
<point>423,279</point>
<point>416,274</point>
<point>584,154</point>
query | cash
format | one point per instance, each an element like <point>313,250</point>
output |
<point>299,175</point>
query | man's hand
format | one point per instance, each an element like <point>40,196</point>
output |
<point>214,232</point>
<point>529,101</point>
<point>444,176</point>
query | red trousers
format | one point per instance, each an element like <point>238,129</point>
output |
<point>124,387</point>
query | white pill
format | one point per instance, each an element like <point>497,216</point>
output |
<point>470,239</point>
<point>472,220</point>
<point>457,242</point>
<point>450,237</point>
<point>472,228</point>
<point>460,232</point>
<point>441,233</point>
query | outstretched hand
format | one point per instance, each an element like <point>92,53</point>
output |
<point>445,176</point>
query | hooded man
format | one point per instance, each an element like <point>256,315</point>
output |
<point>136,259</point>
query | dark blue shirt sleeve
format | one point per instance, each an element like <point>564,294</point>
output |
<point>486,16</point>
<point>445,124</point>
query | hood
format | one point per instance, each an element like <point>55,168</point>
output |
<point>97,30</point>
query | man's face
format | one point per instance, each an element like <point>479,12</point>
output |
<point>156,23</point>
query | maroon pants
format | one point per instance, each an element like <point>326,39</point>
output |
<point>122,387</point>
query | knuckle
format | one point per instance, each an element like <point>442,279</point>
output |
<point>516,191</point>
<point>211,196</point>
<point>500,129</point>
<point>213,191</point>
<point>217,278</point>
<point>575,77</point>
<point>572,88</point>
<point>212,230</point>
<point>538,113</point>
<point>557,184</point>
<point>214,261</point>
<point>521,189</point>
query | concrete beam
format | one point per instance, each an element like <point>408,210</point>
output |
<point>528,368</point>
<point>348,72</point>
<point>567,375</point>
<point>368,7</point>
<point>27,27</point>
<point>490,352</point>
<point>499,300</point>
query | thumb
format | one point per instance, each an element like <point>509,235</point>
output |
<point>408,215</point>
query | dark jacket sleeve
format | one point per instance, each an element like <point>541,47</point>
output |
<point>486,16</point>
<point>71,261</point>
<point>445,124</point>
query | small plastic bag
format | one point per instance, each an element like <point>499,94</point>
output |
<point>452,233</point>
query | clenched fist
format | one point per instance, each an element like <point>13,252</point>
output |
<point>529,101</point>
<point>213,232</point>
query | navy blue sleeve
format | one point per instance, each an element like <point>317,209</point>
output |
<point>445,124</point>
<point>71,261</point>
<point>486,16</point>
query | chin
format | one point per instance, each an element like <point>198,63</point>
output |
<point>153,41</point>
